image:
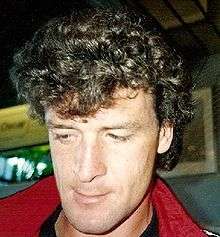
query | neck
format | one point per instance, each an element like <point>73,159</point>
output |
<point>133,226</point>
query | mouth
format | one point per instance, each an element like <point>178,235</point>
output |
<point>81,198</point>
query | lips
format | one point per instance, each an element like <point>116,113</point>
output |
<point>82,198</point>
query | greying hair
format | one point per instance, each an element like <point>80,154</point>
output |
<point>76,63</point>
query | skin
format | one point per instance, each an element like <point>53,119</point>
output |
<point>104,167</point>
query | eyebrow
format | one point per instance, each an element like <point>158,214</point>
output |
<point>124,125</point>
<point>51,124</point>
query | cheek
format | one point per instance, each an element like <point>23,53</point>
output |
<point>62,161</point>
<point>133,166</point>
<point>133,155</point>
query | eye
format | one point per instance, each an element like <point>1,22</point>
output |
<point>64,137</point>
<point>119,138</point>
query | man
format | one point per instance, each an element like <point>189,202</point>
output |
<point>115,99</point>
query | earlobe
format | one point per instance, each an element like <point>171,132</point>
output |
<point>165,137</point>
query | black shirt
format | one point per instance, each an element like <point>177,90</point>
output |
<point>48,227</point>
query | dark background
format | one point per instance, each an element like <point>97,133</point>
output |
<point>18,21</point>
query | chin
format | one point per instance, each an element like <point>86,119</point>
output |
<point>95,223</point>
<point>94,227</point>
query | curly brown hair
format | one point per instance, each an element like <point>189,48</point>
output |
<point>75,64</point>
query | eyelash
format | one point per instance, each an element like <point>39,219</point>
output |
<point>62,137</point>
<point>120,138</point>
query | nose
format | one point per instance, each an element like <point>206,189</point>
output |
<point>89,161</point>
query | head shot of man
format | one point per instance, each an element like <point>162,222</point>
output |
<point>115,98</point>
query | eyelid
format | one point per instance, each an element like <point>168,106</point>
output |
<point>123,129</point>
<point>120,132</point>
<point>59,132</point>
<point>120,137</point>
<point>65,137</point>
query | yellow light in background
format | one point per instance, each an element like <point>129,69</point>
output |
<point>17,129</point>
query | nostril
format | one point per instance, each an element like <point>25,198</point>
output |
<point>88,173</point>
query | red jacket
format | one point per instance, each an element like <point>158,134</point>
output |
<point>22,214</point>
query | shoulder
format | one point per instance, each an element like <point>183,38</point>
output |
<point>24,211</point>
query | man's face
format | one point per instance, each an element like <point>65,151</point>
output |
<point>103,166</point>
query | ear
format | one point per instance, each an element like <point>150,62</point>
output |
<point>165,137</point>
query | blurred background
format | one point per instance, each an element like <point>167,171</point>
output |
<point>192,27</point>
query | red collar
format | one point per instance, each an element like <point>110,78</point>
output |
<point>173,218</point>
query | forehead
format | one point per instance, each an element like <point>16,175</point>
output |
<point>135,108</point>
